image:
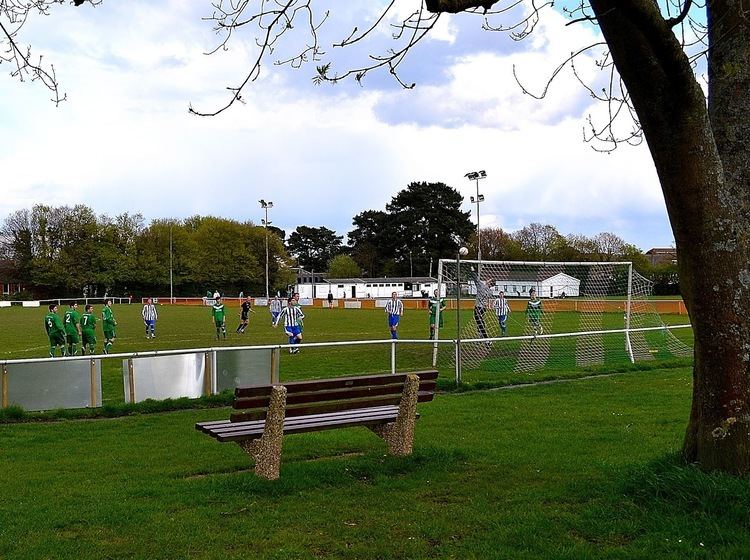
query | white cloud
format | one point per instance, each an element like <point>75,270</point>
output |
<point>125,142</point>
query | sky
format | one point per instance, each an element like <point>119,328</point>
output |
<point>124,141</point>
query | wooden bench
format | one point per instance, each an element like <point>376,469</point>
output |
<point>263,414</point>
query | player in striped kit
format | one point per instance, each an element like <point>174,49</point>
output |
<point>502,310</point>
<point>150,315</point>
<point>292,317</point>
<point>275,308</point>
<point>394,308</point>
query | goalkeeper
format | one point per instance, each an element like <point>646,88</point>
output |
<point>484,295</point>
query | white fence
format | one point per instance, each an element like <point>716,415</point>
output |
<point>75,382</point>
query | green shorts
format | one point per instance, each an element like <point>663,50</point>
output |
<point>109,335</point>
<point>73,337</point>
<point>88,338</point>
<point>57,339</point>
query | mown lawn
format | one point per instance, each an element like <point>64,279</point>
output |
<point>576,470</point>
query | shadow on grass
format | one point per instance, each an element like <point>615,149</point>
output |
<point>338,470</point>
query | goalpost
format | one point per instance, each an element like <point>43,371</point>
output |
<point>603,303</point>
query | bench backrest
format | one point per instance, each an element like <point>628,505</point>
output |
<point>330,395</point>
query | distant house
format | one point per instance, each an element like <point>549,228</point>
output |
<point>518,283</point>
<point>662,255</point>
<point>10,284</point>
<point>356,288</point>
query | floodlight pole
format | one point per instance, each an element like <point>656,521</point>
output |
<point>458,315</point>
<point>266,205</point>
<point>171,285</point>
<point>476,176</point>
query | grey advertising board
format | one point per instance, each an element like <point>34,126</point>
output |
<point>243,367</point>
<point>165,377</point>
<point>54,384</point>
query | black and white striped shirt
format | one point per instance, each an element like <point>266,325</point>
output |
<point>275,306</point>
<point>149,312</point>
<point>394,307</point>
<point>501,307</point>
<point>291,316</point>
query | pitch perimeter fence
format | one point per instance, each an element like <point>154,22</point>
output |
<point>77,382</point>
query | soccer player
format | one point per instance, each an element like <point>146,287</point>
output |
<point>295,297</point>
<point>484,294</point>
<point>292,316</point>
<point>218,314</point>
<point>72,328</point>
<point>245,311</point>
<point>330,300</point>
<point>394,309</point>
<point>88,329</point>
<point>55,331</point>
<point>436,302</point>
<point>108,325</point>
<point>502,310</point>
<point>534,312</point>
<point>150,316</point>
<point>275,308</point>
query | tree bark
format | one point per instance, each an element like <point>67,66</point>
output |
<point>702,160</point>
<point>702,157</point>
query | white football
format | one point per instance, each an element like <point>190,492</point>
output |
<point>463,251</point>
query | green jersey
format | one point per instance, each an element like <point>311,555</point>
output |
<point>71,320</point>
<point>534,309</point>
<point>218,313</point>
<point>88,323</point>
<point>108,319</point>
<point>53,324</point>
<point>434,303</point>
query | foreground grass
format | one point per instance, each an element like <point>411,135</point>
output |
<point>571,471</point>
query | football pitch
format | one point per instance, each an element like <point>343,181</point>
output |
<point>183,327</point>
<point>582,469</point>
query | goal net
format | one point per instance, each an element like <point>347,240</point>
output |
<point>604,303</point>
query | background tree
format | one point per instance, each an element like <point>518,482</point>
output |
<point>313,247</point>
<point>497,245</point>
<point>343,266</point>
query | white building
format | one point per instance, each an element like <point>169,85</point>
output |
<point>360,288</point>
<point>520,284</point>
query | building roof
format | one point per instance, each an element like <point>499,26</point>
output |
<point>393,280</point>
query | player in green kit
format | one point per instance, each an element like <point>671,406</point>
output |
<point>88,330</point>
<point>534,312</point>
<point>108,326</point>
<point>71,321</point>
<point>55,331</point>
<point>219,318</point>
<point>436,302</point>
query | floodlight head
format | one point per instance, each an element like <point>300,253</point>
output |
<point>262,202</point>
<point>482,174</point>
<point>481,198</point>
<point>472,175</point>
<point>269,204</point>
<point>472,199</point>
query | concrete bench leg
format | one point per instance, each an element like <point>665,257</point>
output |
<point>267,450</point>
<point>399,435</point>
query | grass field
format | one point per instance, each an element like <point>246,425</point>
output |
<point>181,327</point>
<point>580,469</point>
<point>577,470</point>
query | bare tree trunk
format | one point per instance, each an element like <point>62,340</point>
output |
<point>703,165</point>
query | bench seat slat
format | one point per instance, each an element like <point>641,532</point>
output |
<point>347,393</point>
<point>341,382</point>
<point>327,407</point>
<point>220,425</point>
<point>312,426</point>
